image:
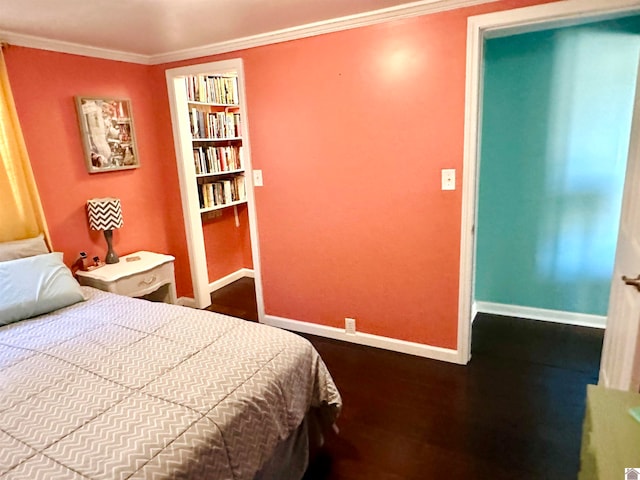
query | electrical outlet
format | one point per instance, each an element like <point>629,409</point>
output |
<point>257,178</point>
<point>448,179</point>
<point>350,325</point>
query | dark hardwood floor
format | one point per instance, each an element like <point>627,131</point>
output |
<point>515,412</point>
<point>237,299</point>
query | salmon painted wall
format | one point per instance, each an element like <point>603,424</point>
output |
<point>44,85</point>
<point>351,171</point>
<point>228,247</point>
<point>351,130</point>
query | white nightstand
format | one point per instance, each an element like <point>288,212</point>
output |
<point>151,276</point>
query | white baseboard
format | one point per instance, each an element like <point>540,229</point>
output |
<point>186,302</point>
<point>217,284</point>
<point>474,311</point>
<point>402,346</point>
<point>232,277</point>
<point>556,316</point>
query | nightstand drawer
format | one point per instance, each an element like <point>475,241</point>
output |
<point>144,283</point>
<point>140,274</point>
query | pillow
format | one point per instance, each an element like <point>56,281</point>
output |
<point>23,248</point>
<point>35,285</point>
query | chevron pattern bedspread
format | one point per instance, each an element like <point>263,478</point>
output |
<point>116,388</point>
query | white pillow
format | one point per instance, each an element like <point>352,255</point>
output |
<point>23,248</point>
<point>35,285</point>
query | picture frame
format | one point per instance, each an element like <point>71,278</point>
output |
<point>108,137</point>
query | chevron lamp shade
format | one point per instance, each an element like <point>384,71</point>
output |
<point>104,213</point>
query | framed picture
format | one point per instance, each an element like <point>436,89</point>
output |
<point>106,126</point>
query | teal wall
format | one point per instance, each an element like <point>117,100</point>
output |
<point>556,118</point>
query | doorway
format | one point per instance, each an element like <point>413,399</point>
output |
<point>495,25</point>
<point>556,119</point>
<point>211,137</point>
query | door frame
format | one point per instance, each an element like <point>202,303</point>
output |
<point>186,172</point>
<point>493,25</point>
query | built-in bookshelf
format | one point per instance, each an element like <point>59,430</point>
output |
<point>213,158</point>
<point>216,135</point>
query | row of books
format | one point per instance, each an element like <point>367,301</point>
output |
<point>222,192</point>
<point>214,124</point>
<point>216,159</point>
<point>212,89</point>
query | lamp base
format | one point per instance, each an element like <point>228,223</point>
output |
<point>112,257</point>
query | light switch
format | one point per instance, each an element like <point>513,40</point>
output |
<point>448,179</point>
<point>257,178</point>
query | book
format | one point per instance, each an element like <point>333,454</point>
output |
<point>219,193</point>
<point>226,185</point>
<point>193,123</point>
<point>237,125</point>
<point>229,125</point>
<point>202,89</point>
<point>240,188</point>
<point>196,161</point>
<point>234,90</point>
<point>212,199</point>
<point>220,89</point>
<point>203,196</point>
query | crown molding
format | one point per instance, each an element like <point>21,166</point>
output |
<point>414,9</point>
<point>41,43</point>
<point>408,10</point>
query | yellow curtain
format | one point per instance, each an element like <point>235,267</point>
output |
<point>21,214</point>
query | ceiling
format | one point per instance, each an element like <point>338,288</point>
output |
<point>169,29</point>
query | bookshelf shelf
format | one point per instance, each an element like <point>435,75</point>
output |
<point>218,174</point>
<point>220,207</point>
<point>214,104</point>
<point>220,139</point>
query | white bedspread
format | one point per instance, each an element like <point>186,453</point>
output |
<point>116,388</point>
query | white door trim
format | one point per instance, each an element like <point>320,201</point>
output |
<point>509,22</point>
<point>186,174</point>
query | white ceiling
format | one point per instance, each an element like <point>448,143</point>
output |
<point>157,28</point>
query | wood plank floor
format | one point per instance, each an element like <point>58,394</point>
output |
<point>237,299</point>
<point>515,412</point>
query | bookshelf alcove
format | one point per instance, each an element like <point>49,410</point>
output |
<point>211,133</point>
<point>215,122</point>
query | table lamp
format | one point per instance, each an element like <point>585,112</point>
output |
<point>106,214</point>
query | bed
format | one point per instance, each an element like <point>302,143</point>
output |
<point>111,387</point>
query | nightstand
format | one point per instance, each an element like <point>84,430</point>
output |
<point>141,274</point>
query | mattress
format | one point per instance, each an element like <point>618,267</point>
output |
<point>116,387</point>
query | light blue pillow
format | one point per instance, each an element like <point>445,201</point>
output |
<point>35,285</point>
